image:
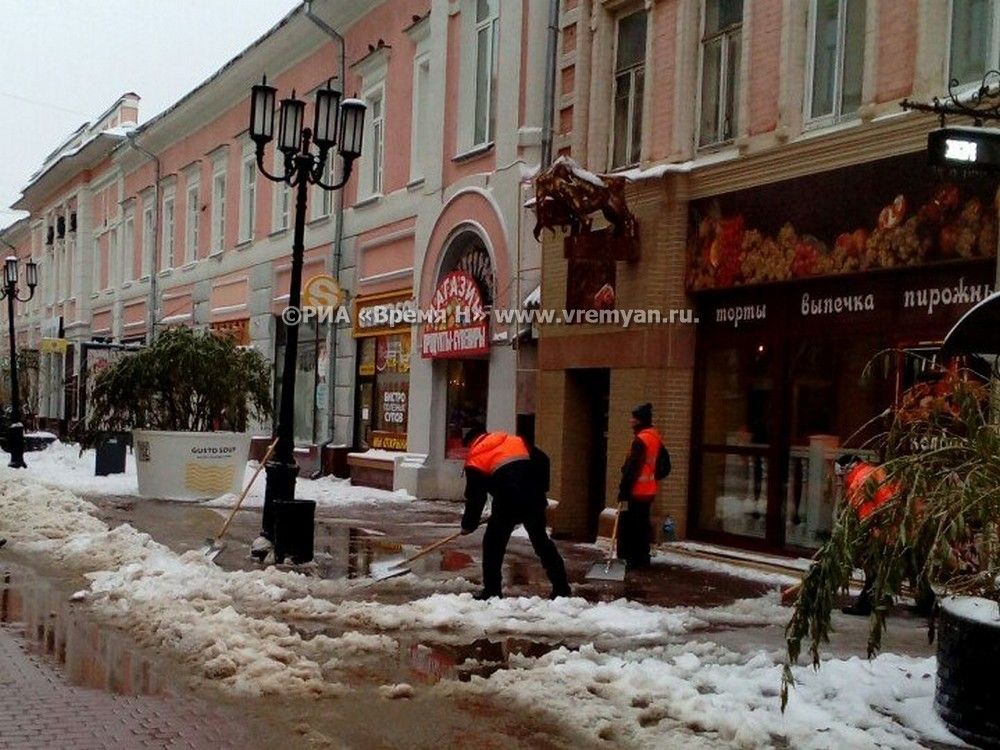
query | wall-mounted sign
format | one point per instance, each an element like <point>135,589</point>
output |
<point>53,346</point>
<point>458,325</point>
<point>974,149</point>
<point>378,314</point>
<point>389,441</point>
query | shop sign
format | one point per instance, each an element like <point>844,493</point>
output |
<point>53,346</point>
<point>736,314</point>
<point>379,314</point>
<point>843,303</point>
<point>460,327</point>
<point>389,441</point>
<point>946,296</point>
<point>394,407</point>
<point>973,149</point>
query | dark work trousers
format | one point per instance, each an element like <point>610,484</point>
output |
<point>633,533</point>
<point>498,530</point>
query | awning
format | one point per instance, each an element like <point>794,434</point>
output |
<point>978,331</point>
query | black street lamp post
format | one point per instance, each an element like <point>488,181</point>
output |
<point>15,433</point>
<point>338,124</point>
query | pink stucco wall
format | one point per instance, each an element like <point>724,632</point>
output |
<point>765,70</point>
<point>897,49</point>
<point>664,56</point>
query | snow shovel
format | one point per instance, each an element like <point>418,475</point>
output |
<point>215,545</point>
<point>395,568</point>
<point>611,569</point>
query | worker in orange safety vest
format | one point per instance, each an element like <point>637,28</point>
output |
<point>646,464</point>
<point>510,469</point>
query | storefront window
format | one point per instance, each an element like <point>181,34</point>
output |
<point>466,404</point>
<point>384,391</point>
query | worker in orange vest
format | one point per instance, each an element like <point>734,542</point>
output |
<point>501,465</point>
<point>646,464</point>
<point>866,489</point>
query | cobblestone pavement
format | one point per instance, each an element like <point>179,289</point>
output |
<point>40,709</point>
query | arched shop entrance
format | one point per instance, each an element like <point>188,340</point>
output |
<point>460,342</point>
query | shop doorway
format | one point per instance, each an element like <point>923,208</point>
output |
<point>585,442</point>
<point>467,394</point>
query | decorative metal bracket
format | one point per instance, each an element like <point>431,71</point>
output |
<point>977,105</point>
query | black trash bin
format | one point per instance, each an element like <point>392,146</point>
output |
<point>293,530</point>
<point>111,449</point>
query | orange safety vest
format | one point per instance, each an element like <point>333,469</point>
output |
<point>644,487</point>
<point>854,487</point>
<point>492,450</point>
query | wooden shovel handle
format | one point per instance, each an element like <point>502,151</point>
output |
<point>431,547</point>
<point>239,501</point>
<point>614,536</point>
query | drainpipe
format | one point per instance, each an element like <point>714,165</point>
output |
<point>551,50</point>
<point>338,237</point>
<point>153,314</point>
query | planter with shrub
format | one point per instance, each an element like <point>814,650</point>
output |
<point>187,400</point>
<point>938,535</point>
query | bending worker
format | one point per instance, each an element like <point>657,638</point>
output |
<point>500,465</point>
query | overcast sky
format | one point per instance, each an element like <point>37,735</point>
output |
<point>63,62</point>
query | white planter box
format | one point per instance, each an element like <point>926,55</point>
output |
<point>190,465</point>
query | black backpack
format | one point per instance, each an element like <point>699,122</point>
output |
<point>662,467</point>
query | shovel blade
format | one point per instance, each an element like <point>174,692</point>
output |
<point>385,572</point>
<point>607,570</point>
<point>213,548</point>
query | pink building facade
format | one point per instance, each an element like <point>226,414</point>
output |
<point>138,227</point>
<point>784,203</point>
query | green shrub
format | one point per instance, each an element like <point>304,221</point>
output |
<point>185,381</point>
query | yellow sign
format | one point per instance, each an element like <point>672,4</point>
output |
<point>53,346</point>
<point>323,292</point>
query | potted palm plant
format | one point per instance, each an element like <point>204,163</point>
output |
<point>937,532</point>
<point>187,399</point>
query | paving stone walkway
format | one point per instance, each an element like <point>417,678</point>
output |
<point>40,709</point>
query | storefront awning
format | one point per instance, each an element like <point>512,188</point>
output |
<point>978,331</point>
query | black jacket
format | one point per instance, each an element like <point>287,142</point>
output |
<point>631,469</point>
<point>515,488</point>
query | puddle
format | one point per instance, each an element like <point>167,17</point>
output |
<point>90,655</point>
<point>433,662</point>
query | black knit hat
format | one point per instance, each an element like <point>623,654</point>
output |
<point>644,413</point>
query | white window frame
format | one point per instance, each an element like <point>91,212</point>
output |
<point>322,200</point>
<point>992,64</point>
<point>248,197</point>
<point>192,219</point>
<point>128,243</point>
<point>837,115</point>
<point>282,216</point>
<point>148,236</point>
<point>372,183</point>
<point>114,260</point>
<point>723,75</point>
<point>419,131</point>
<point>218,229</point>
<point>96,284</point>
<point>632,71</point>
<point>490,24</point>
<point>168,239</point>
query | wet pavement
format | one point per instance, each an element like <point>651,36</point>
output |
<point>69,683</point>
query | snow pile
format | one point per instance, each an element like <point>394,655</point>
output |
<point>735,569</point>
<point>703,695</point>
<point>63,466</point>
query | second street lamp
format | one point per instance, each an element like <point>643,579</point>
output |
<point>337,125</point>
<point>15,433</point>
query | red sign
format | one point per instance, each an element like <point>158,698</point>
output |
<point>456,324</point>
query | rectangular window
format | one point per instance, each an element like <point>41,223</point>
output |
<point>218,212</point>
<point>167,245</point>
<point>191,224</point>
<point>630,73</point>
<point>70,267</point>
<point>721,48</point>
<point>487,51</point>
<point>838,57</point>
<point>375,145</point>
<point>974,39</point>
<point>114,260</point>
<point>248,199</point>
<point>282,196</point>
<point>420,137</point>
<point>98,283</point>
<point>148,236</point>
<point>128,243</point>
<point>322,201</point>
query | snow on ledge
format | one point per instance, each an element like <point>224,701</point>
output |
<point>974,609</point>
